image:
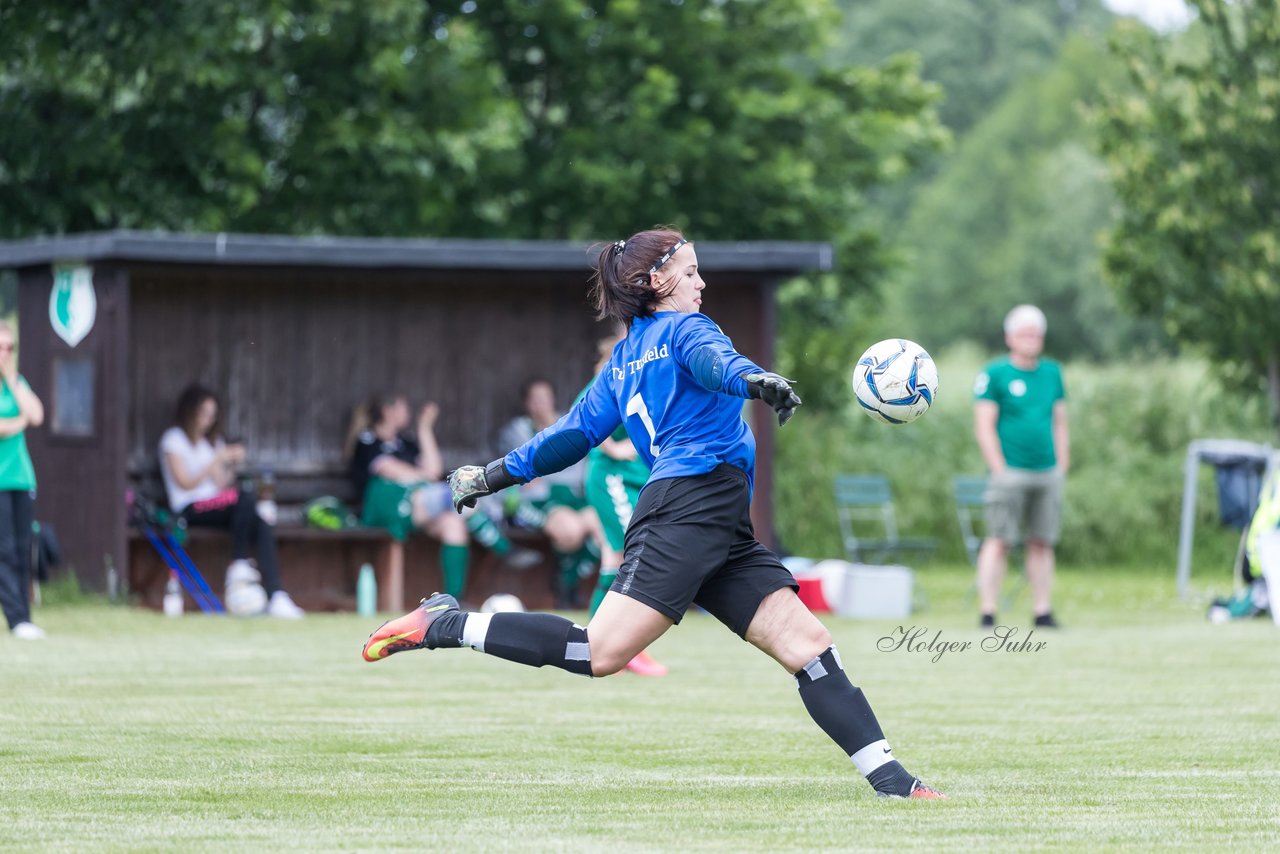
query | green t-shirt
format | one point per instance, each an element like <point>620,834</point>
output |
<point>16,471</point>
<point>1025,399</point>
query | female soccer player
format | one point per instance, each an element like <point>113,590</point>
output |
<point>615,476</point>
<point>677,384</point>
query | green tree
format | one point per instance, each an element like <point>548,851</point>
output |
<point>320,116</point>
<point>1014,216</point>
<point>977,50</point>
<point>576,119</point>
<point>1192,152</point>
<point>718,116</point>
<point>723,118</point>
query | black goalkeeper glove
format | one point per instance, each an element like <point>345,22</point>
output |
<point>471,483</point>
<point>775,391</point>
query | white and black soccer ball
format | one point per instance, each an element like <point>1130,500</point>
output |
<point>243,592</point>
<point>246,599</point>
<point>895,381</point>
<point>502,603</point>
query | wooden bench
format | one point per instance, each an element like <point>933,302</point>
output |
<point>319,567</point>
<point>326,553</point>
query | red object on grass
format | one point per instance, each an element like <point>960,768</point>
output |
<point>810,594</point>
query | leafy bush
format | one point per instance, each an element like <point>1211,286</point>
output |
<point>1130,427</point>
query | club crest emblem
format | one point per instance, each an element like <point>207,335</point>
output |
<point>73,305</point>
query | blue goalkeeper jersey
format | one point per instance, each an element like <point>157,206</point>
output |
<point>675,382</point>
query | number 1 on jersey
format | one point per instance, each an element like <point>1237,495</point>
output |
<point>635,406</point>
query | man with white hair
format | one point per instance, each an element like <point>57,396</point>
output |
<point>1020,419</point>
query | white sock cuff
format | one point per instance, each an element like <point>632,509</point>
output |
<point>475,629</point>
<point>872,756</point>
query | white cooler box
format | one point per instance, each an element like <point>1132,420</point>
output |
<point>854,589</point>
<point>875,592</point>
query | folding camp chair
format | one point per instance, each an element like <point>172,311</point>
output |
<point>969,491</point>
<point>160,530</point>
<point>868,523</point>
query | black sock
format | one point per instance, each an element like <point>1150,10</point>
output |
<point>891,779</point>
<point>534,639</point>
<point>446,630</point>
<point>844,714</point>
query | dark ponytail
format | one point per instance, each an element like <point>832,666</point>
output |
<point>620,286</point>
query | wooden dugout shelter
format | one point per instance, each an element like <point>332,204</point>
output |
<point>292,332</point>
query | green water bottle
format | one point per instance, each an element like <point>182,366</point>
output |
<point>366,592</point>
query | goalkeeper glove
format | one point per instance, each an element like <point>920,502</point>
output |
<point>470,483</point>
<point>775,391</point>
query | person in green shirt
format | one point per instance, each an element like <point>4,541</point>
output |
<point>19,409</point>
<point>1020,420</point>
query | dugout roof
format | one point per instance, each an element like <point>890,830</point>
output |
<point>777,257</point>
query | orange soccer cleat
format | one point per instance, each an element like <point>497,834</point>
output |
<point>927,793</point>
<point>919,791</point>
<point>410,631</point>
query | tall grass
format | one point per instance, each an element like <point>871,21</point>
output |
<point>1131,424</point>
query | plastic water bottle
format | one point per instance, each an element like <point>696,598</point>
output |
<point>113,580</point>
<point>366,592</point>
<point>172,598</point>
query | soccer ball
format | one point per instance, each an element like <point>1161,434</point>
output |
<point>244,595</point>
<point>895,381</point>
<point>246,599</point>
<point>502,603</point>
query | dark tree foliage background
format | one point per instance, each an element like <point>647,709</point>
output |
<point>510,118</point>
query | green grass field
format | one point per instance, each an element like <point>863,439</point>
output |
<point>1138,727</point>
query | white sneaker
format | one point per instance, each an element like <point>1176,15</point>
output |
<point>240,572</point>
<point>28,631</point>
<point>283,607</point>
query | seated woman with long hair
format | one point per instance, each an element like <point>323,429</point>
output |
<point>200,470</point>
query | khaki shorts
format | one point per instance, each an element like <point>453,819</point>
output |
<point>1022,497</point>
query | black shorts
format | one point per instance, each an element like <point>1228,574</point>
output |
<point>690,541</point>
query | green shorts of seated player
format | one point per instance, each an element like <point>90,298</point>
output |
<point>679,385</point>
<point>395,466</point>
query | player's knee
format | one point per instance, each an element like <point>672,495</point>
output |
<point>801,644</point>
<point>606,662</point>
<point>811,643</point>
<point>607,665</point>
<point>608,658</point>
<point>451,529</point>
<point>996,546</point>
<point>565,531</point>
